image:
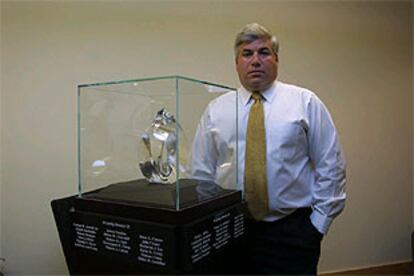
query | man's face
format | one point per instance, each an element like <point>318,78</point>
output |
<point>256,65</point>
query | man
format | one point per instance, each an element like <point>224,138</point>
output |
<point>291,167</point>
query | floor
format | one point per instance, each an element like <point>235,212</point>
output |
<point>397,269</point>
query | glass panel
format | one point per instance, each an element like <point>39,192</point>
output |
<point>135,138</point>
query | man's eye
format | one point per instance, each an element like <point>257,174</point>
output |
<point>247,54</point>
<point>265,52</point>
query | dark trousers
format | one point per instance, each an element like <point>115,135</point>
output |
<point>287,246</point>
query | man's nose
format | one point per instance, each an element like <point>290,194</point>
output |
<point>255,60</point>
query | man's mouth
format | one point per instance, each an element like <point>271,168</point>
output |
<point>255,73</point>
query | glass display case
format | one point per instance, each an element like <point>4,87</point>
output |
<point>135,141</point>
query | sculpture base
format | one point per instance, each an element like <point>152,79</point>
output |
<point>110,231</point>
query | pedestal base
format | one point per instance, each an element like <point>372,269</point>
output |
<point>105,236</point>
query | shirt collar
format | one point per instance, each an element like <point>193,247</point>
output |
<point>268,95</point>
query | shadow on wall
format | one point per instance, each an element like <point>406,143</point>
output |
<point>2,261</point>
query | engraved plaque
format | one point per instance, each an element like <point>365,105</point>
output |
<point>106,237</point>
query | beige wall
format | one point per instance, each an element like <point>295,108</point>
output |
<point>356,55</point>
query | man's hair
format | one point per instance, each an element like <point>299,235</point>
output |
<point>252,32</point>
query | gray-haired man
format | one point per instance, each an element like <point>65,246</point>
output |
<point>297,187</point>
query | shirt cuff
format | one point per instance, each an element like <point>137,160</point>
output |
<point>320,222</point>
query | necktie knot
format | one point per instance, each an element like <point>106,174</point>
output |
<point>256,96</point>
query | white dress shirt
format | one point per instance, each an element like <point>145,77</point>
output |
<point>305,163</point>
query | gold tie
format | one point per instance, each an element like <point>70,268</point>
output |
<point>255,177</point>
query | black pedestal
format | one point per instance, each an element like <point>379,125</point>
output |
<point>121,229</point>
